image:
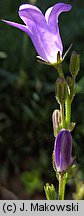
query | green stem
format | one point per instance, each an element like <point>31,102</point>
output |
<point>62,115</point>
<point>68,111</point>
<point>60,71</point>
<point>62,184</point>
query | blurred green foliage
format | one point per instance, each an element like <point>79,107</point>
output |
<point>27,98</point>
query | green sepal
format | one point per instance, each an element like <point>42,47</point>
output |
<point>53,162</point>
<point>71,126</point>
<point>68,173</point>
<point>54,166</point>
<point>55,64</point>
<point>71,172</point>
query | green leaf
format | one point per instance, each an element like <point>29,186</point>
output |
<point>50,192</point>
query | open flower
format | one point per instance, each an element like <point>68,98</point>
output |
<point>63,150</point>
<point>43,30</point>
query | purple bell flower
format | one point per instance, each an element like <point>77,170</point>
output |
<point>63,150</point>
<point>43,30</point>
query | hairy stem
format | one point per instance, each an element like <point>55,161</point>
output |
<point>68,111</point>
<point>62,115</point>
<point>62,184</point>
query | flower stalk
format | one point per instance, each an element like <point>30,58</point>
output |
<point>59,70</point>
<point>62,183</point>
<point>67,111</point>
<point>62,115</point>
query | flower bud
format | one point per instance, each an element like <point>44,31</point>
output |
<point>63,150</point>
<point>56,119</point>
<point>61,90</point>
<point>50,192</point>
<point>74,64</point>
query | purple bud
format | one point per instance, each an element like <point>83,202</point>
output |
<point>63,150</point>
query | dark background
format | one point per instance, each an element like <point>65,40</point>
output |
<point>27,100</point>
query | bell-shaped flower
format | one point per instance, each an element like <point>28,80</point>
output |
<point>63,151</point>
<point>43,30</point>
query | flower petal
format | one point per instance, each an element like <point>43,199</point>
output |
<point>17,25</point>
<point>29,13</point>
<point>51,17</point>
<point>57,148</point>
<point>66,150</point>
